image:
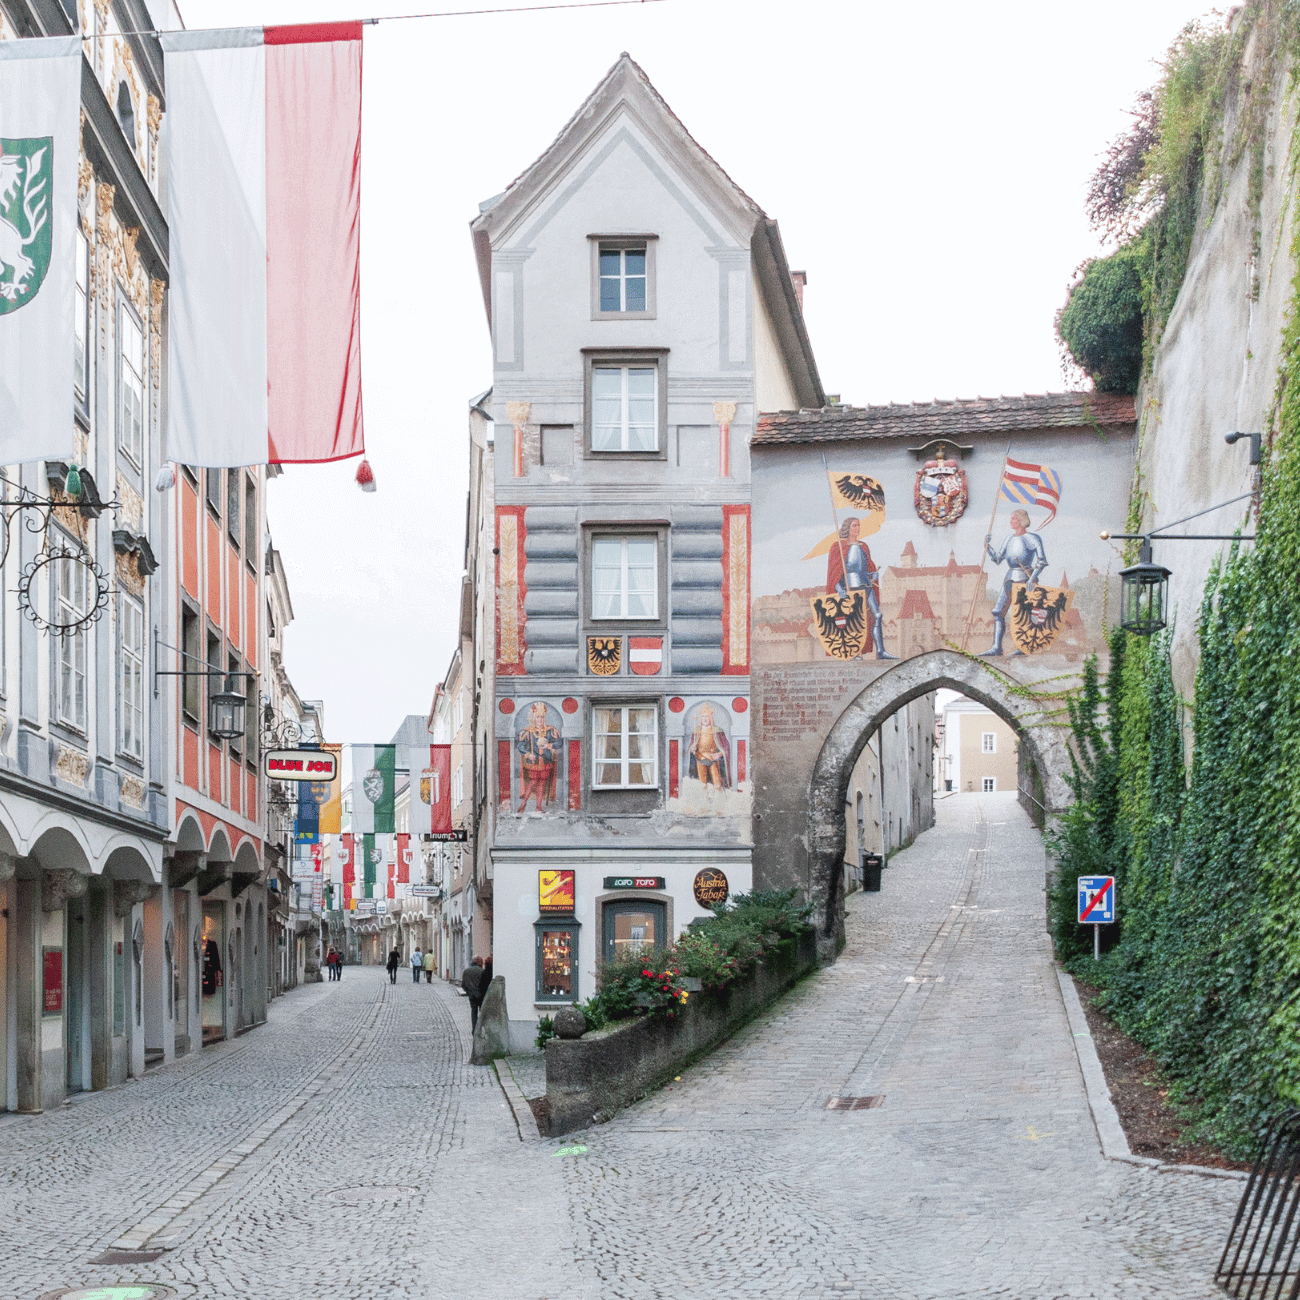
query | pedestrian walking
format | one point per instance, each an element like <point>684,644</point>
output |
<point>393,962</point>
<point>329,964</point>
<point>472,982</point>
<point>428,967</point>
<point>487,975</point>
<point>417,965</point>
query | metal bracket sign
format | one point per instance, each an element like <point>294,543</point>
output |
<point>425,891</point>
<point>300,764</point>
<point>1096,906</point>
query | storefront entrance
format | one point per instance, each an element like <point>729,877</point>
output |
<point>214,974</point>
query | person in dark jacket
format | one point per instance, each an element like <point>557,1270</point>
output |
<point>394,961</point>
<point>472,982</point>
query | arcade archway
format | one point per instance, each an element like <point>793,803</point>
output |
<point>864,715</point>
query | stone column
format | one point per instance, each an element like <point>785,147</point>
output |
<point>518,413</point>
<point>28,923</point>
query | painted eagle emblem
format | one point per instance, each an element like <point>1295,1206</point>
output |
<point>858,492</point>
<point>841,623</point>
<point>1037,617</point>
<point>604,654</point>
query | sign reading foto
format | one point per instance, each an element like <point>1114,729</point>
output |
<point>300,764</point>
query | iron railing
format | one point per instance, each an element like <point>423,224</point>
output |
<point>1259,1261</point>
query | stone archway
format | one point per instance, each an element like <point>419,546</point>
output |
<point>848,736</point>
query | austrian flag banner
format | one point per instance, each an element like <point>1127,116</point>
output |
<point>263,147</point>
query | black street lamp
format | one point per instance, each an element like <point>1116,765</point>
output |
<point>226,713</point>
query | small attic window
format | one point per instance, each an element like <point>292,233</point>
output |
<point>126,112</point>
<point>622,277</point>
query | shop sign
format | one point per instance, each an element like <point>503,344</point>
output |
<point>53,959</point>
<point>301,764</point>
<point>710,887</point>
<point>425,891</point>
<point>555,894</point>
<point>634,882</point>
<point>458,836</point>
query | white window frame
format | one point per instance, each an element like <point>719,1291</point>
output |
<point>81,323</point>
<point>69,594</point>
<point>624,370</point>
<point>623,244</point>
<point>458,785</point>
<point>989,742</point>
<point>130,434</point>
<point>621,613</point>
<point>130,698</point>
<point>604,250</point>
<point>599,760</point>
<point>990,785</point>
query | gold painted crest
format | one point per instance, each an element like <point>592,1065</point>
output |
<point>604,654</point>
<point>1037,617</point>
<point>841,623</point>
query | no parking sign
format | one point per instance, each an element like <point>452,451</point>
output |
<point>1096,906</point>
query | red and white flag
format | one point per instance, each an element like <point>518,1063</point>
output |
<point>645,654</point>
<point>263,147</point>
<point>404,856</point>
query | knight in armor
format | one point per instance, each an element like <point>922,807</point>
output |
<point>849,568</point>
<point>1023,554</point>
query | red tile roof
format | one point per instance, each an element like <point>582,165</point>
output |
<point>922,421</point>
<point>916,604</point>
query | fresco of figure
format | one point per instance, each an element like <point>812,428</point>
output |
<point>539,744</point>
<point>710,751</point>
<point>849,568</point>
<point>1023,554</point>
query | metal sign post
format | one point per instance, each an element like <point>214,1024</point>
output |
<point>1096,906</point>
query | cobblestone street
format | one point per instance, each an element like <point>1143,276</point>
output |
<point>346,1151</point>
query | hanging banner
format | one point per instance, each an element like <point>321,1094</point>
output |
<point>331,811</point>
<point>348,859</point>
<point>440,790</point>
<point>40,108</point>
<point>418,763</point>
<point>404,856</point>
<point>263,156</point>
<point>374,773</point>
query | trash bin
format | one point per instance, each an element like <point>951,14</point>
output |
<point>872,865</point>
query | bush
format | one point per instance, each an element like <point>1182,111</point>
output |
<point>1101,322</point>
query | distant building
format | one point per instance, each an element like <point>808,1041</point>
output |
<point>980,751</point>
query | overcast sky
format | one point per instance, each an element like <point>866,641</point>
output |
<point>927,165</point>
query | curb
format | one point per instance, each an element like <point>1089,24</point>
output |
<point>1110,1132</point>
<point>523,1112</point>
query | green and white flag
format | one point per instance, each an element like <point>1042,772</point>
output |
<point>40,107</point>
<point>374,860</point>
<point>373,787</point>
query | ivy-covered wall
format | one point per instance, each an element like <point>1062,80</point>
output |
<point>1188,778</point>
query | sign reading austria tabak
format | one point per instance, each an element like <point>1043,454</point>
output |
<point>301,764</point>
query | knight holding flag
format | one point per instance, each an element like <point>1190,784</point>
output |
<point>1023,554</point>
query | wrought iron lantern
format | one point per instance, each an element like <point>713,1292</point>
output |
<point>226,713</point>
<point>1145,595</point>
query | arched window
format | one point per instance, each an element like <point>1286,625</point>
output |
<point>126,112</point>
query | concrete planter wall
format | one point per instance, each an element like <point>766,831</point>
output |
<point>602,1071</point>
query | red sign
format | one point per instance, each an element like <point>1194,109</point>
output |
<point>53,980</point>
<point>318,858</point>
<point>404,856</point>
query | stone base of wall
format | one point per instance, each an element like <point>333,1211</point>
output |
<point>589,1078</point>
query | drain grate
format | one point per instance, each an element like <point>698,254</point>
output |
<point>128,1257</point>
<point>129,1291</point>
<point>369,1192</point>
<point>855,1103</point>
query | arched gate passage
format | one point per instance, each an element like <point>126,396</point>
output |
<point>848,736</point>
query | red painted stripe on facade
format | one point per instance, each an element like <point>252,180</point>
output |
<point>214,572</point>
<point>190,538</point>
<point>503,773</point>
<point>674,767</point>
<point>735,591</point>
<point>313,242</point>
<point>575,775</point>
<point>740,762</point>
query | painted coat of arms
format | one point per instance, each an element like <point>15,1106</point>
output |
<point>26,231</point>
<point>1037,617</point>
<point>604,655</point>
<point>940,493</point>
<point>841,622</point>
<point>372,785</point>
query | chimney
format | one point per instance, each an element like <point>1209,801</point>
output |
<point>800,281</point>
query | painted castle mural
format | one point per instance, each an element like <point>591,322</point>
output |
<point>884,552</point>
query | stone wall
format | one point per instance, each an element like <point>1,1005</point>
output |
<point>589,1078</point>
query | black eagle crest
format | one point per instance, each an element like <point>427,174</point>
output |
<point>1038,617</point>
<point>841,623</point>
<point>861,491</point>
<point>604,654</point>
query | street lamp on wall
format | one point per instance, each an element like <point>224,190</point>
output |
<point>1144,598</point>
<point>227,712</point>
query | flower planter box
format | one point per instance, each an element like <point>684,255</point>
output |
<point>591,1077</point>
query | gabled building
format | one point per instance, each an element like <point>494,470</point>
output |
<point>642,313</point>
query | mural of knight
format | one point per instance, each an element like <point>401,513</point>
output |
<point>709,748</point>
<point>540,751</point>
